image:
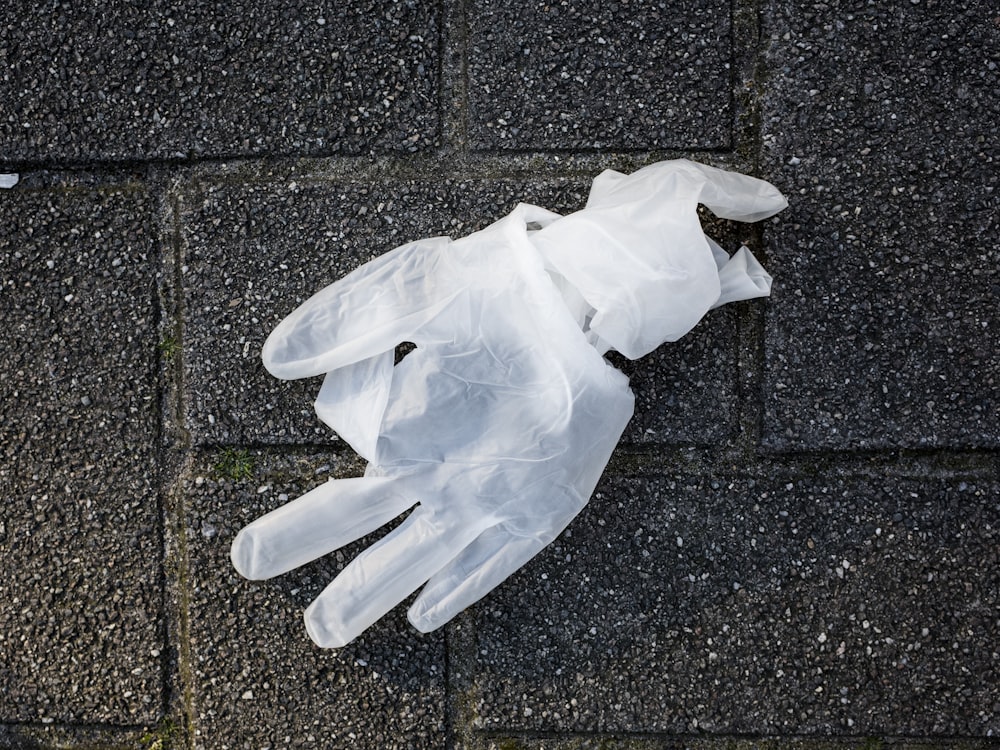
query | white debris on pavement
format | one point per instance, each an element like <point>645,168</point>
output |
<point>8,180</point>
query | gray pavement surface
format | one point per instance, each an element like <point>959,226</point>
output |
<point>797,543</point>
<point>80,530</point>
<point>178,79</point>
<point>600,75</point>
<point>890,252</point>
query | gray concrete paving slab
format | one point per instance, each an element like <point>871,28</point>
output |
<point>600,75</point>
<point>778,605</point>
<point>187,78</point>
<point>258,679</point>
<point>253,252</point>
<point>81,625</point>
<point>834,586</point>
<point>881,126</point>
<point>703,742</point>
<point>46,736</point>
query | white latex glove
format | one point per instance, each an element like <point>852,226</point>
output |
<point>495,429</point>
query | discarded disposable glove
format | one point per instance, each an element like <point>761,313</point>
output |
<point>496,428</point>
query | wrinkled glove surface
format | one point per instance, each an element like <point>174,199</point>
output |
<point>496,428</point>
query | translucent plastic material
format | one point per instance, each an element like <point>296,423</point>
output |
<point>639,259</point>
<point>8,180</point>
<point>495,429</point>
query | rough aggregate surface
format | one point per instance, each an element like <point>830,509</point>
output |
<point>889,249</point>
<point>734,605</point>
<point>599,75</point>
<point>178,79</point>
<point>80,625</point>
<point>794,546</point>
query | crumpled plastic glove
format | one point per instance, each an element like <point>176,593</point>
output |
<point>635,266</point>
<point>495,429</point>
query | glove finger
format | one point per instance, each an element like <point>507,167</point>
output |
<point>383,575</point>
<point>366,313</point>
<point>731,195</point>
<point>487,562</point>
<point>322,520</point>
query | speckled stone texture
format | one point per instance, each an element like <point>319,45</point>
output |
<point>258,677</point>
<point>805,605</point>
<point>883,326</point>
<point>81,620</point>
<point>254,252</point>
<point>795,547</point>
<point>179,78</point>
<point>585,75</point>
<point>686,391</point>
